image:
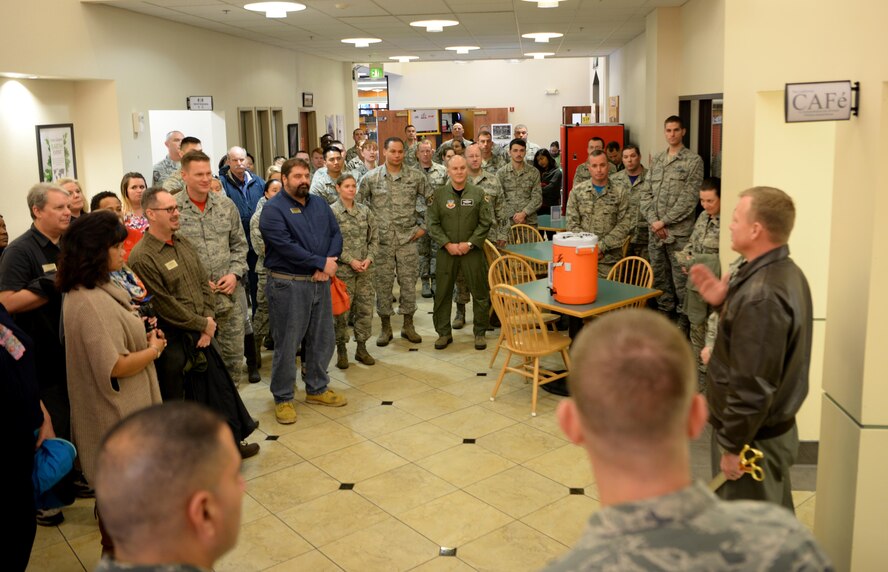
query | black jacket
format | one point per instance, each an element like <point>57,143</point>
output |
<point>758,375</point>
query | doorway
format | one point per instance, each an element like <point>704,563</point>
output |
<point>308,134</point>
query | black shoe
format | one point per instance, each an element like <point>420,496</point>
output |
<point>50,517</point>
<point>81,488</point>
<point>269,343</point>
<point>248,450</point>
<point>254,375</point>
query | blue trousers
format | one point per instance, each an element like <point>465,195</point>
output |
<point>299,310</point>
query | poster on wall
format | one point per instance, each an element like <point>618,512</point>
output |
<point>55,152</point>
<point>425,121</point>
<point>613,109</point>
<point>340,127</point>
<point>329,124</point>
<point>502,134</point>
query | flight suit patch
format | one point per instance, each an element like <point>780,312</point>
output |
<point>451,204</point>
<point>467,202</point>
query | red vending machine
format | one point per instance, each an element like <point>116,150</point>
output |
<point>574,142</point>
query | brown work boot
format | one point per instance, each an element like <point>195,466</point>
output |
<point>459,321</point>
<point>341,356</point>
<point>408,332</point>
<point>362,356</point>
<point>385,336</point>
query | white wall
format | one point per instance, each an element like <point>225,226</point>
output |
<point>703,47</point>
<point>523,85</point>
<point>118,62</point>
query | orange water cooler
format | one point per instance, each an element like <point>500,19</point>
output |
<point>573,272</point>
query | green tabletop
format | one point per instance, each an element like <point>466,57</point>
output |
<point>533,251</point>
<point>544,222</point>
<point>611,295</point>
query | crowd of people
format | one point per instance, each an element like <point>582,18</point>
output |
<point>164,293</point>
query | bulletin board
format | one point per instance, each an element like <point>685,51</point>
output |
<point>426,121</point>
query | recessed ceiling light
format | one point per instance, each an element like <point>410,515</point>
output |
<point>361,42</point>
<point>513,61</point>
<point>546,3</point>
<point>542,37</point>
<point>404,59</point>
<point>13,75</point>
<point>434,25</point>
<point>539,55</point>
<point>462,49</point>
<point>461,62</point>
<point>275,9</point>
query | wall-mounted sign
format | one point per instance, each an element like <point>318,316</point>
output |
<point>376,71</point>
<point>821,101</point>
<point>199,103</point>
<point>426,121</point>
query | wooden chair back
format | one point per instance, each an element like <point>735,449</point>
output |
<point>491,252</point>
<point>522,321</point>
<point>523,233</point>
<point>510,270</point>
<point>633,270</point>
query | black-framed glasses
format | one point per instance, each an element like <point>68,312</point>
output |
<point>169,210</point>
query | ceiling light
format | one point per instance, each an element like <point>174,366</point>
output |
<point>377,90</point>
<point>539,55</point>
<point>462,49</point>
<point>361,42</point>
<point>546,3</point>
<point>434,25</point>
<point>461,62</point>
<point>275,9</point>
<point>542,37</point>
<point>13,75</point>
<point>404,59</point>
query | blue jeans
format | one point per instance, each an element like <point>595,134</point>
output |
<point>298,310</point>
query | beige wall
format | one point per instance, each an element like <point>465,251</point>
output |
<point>626,77</point>
<point>768,44</point>
<point>702,47</point>
<point>154,64</point>
<point>420,85</point>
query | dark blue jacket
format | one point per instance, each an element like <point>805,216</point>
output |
<point>298,239</point>
<point>245,200</point>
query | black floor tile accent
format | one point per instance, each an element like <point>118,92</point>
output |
<point>271,438</point>
<point>346,486</point>
<point>444,551</point>
<point>413,350</point>
<point>468,441</point>
<point>577,491</point>
<point>481,374</point>
<point>387,403</point>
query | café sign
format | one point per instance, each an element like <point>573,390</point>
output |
<point>821,101</point>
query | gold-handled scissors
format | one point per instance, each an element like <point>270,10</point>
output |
<point>749,459</point>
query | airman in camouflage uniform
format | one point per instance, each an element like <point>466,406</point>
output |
<point>679,525</point>
<point>323,182</point>
<point>398,196</point>
<point>499,226</point>
<point>174,183</point>
<point>260,317</point>
<point>411,144</point>
<point>218,237</point>
<point>493,157</point>
<point>457,130</point>
<point>436,175</point>
<point>521,186</point>
<point>606,213</point>
<point>669,205</point>
<point>532,148</point>
<point>360,242</point>
<point>581,175</point>
<point>170,163</point>
<point>702,248</point>
<point>638,241</point>
<point>359,136</point>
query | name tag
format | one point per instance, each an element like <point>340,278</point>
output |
<point>49,267</point>
<point>296,210</point>
<point>172,264</point>
<point>467,202</point>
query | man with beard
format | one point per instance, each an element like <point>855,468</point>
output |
<point>302,245</point>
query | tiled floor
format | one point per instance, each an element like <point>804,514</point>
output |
<point>440,479</point>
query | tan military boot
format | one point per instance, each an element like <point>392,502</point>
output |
<point>408,332</point>
<point>362,356</point>
<point>459,321</point>
<point>385,336</point>
<point>341,356</point>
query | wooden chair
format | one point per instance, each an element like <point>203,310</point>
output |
<point>526,336</point>
<point>491,252</point>
<point>625,247</point>
<point>513,270</point>
<point>523,233</point>
<point>633,270</point>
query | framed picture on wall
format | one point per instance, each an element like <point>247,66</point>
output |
<point>55,152</point>
<point>292,139</point>
<point>308,99</point>
<point>425,121</point>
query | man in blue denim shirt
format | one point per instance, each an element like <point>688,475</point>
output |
<point>302,244</point>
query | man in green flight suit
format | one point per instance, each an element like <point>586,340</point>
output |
<point>459,219</point>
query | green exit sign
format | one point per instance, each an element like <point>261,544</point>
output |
<point>376,71</point>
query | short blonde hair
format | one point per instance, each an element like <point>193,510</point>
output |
<point>773,209</point>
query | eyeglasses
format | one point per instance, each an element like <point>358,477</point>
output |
<point>169,210</point>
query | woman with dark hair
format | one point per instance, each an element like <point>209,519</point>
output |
<point>109,356</point>
<point>550,180</point>
<point>131,188</point>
